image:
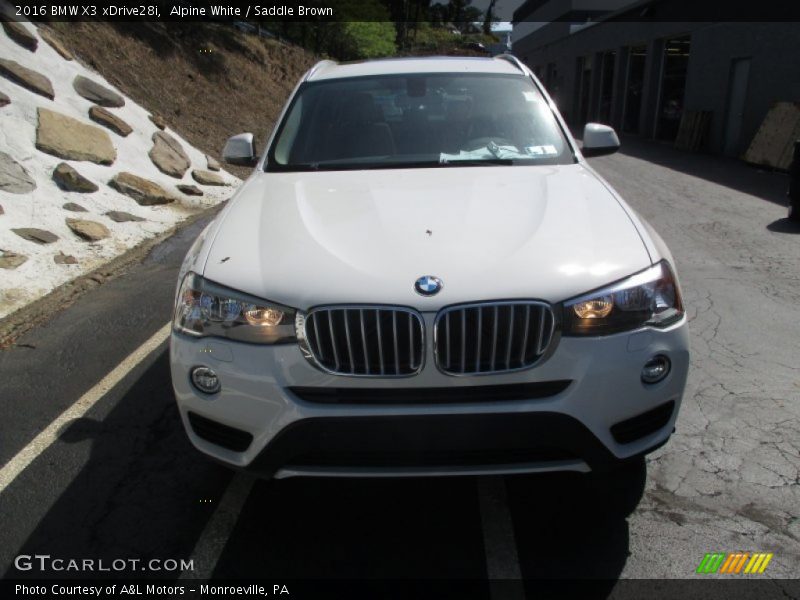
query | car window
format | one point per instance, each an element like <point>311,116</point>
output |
<point>395,121</point>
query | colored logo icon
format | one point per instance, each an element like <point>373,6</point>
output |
<point>734,563</point>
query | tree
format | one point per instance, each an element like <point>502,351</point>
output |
<point>407,15</point>
<point>462,14</point>
<point>364,29</point>
<point>366,39</point>
<point>489,18</point>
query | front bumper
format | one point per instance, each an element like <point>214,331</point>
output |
<point>257,422</point>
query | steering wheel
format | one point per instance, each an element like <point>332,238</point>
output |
<point>483,142</point>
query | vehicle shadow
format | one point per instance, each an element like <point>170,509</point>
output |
<point>784,225</point>
<point>129,485</point>
<point>572,531</point>
<point>142,493</point>
<point>756,181</point>
<point>361,530</point>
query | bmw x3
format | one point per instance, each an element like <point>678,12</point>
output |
<point>424,276</point>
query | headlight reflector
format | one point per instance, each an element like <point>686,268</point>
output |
<point>207,309</point>
<point>597,308</point>
<point>650,297</point>
<point>263,317</point>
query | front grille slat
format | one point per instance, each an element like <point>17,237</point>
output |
<point>478,344</point>
<point>365,340</point>
<point>316,337</point>
<point>463,341</point>
<point>382,367</point>
<point>510,336</point>
<point>349,342</point>
<point>492,365</point>
<point>396,351</point>
<point>525,330</point>
<point>540,337</point>
<point>447,338</point>
<point>410,342</point>
<point>519,334</point>
<point>333,343</point>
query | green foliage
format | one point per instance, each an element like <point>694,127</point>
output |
<point>426,37</point>
<point>366,39</point>
<point>364,29</point>
<point>482,38</point>
<point>360,29</point>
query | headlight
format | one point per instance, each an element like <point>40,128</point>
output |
<point>204,308</point>
<point>650,297</point>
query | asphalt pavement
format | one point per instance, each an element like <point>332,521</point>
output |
<point>120,479</point>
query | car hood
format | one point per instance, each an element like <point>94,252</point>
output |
<point>499,232</point>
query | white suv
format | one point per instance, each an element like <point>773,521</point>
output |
<point>423,276</point>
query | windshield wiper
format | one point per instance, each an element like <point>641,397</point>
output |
<point>476,162</point>
<point>344,166</point>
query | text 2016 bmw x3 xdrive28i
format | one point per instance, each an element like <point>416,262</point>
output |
<point>424,276</point>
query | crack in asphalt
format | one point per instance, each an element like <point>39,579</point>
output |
<point>733,465</point>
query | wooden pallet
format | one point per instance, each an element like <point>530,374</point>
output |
<point>773,143</point>
<point>693,130</point>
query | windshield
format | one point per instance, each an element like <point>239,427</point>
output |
<point>396,121</point>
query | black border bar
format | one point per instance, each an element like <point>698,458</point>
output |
<point>278,11</point>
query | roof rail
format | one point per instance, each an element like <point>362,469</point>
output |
<point>507,56</point>
<point>319,66</point>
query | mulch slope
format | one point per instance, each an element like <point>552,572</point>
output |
<point>207,80</point>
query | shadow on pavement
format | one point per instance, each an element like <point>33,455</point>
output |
<point>135,488</point>
<point>572,530</point>
<point>143,492</point>
<point>784,225</point>
<point>392,529</point>
<point>729,172</point>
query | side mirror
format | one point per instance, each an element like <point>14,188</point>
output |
<point>239,151</point>
<point>599,140</point>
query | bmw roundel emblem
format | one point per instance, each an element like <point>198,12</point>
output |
<point>428,285</point>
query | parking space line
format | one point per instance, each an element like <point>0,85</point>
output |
<point>217,531</point>
<point>502,562</point>
<point>45,438</point>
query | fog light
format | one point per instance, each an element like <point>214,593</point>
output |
<point>655,369</point>
<point>205,380</point>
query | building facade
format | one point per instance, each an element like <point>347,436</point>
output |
<point>639,72</point>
